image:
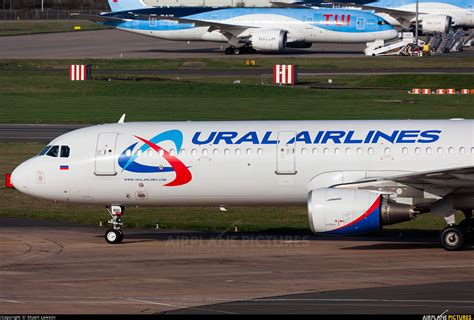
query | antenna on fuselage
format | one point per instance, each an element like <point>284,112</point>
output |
<point>122,119</point>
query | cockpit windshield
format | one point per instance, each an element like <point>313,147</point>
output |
<point>43,152</point>
<point>53,152</point>
<point>64,151</point>
<point>56,151</point>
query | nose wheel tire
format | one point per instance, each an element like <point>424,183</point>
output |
<point>453,238</point>
<point>113,236</point>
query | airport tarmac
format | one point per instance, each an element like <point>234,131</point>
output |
<point>52,267</point>
<point>120,44</point>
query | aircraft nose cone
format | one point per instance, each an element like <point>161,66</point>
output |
<point>19,178</point>
<point>393,33</point>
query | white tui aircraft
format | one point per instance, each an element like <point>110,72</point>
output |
<point>248,29</point>
<point>354,176</point>
<point>434,15</point>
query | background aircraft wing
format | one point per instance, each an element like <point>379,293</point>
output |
<point>403,17</point>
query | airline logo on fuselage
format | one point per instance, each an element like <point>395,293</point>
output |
<point>318,137</point>
<point>128,160</point>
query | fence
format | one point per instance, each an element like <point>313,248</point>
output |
<point>42,15</point>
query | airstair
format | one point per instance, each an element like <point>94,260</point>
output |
<point>469,39</point>
<point>404,46</point>
<point>453,41</point>
<point>438,42</point>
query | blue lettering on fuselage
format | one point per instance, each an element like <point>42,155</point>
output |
<point>319,137</point>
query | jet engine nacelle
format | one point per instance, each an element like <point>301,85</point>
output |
<point>271,40</point>
<point>346,211</point>
<point>435,23</point>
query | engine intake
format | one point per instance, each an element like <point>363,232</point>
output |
<point>346,211</point>
<point>270,40</point>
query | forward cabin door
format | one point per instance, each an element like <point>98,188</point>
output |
<point>360,23</point>
<point>105,154</point>
<point>286,164</point>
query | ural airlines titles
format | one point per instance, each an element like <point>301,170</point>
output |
<point>319,137</point>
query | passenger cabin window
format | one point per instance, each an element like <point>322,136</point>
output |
<point>53,152</point>
<point>65,151</point>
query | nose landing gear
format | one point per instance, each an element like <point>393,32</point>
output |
<point>115,235</point>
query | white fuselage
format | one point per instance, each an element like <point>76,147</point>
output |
<point>301,25</point>
<point>297,32</point>
<point>237,163</point>
<point>460,16</point>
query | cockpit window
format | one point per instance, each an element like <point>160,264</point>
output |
<point>64,151</point>
<point>53,152</point>
<point>43,152</point>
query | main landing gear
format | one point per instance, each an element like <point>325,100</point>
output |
<point>115,235</point>
<point>240,50</point>
<point>456,237</point>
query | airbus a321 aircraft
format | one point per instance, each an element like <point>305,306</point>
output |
<point>249,29</point>
<point>354,176</point>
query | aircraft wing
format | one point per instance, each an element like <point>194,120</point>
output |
<point>289,5</point>
<point>227,30</point>
<point>213,25</point>
<point>96,18</point>
<point>403,17</point>
<point>437,182</point>
<point>394,13</point>
<point>457,177</point>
